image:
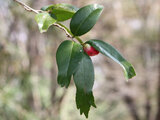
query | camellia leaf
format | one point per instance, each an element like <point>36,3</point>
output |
<point>44,21</point>
<point>61,12</point>
<point>111,52</point>
<point>84,80</point>
<point>68,56</point>
<point>85,18</point>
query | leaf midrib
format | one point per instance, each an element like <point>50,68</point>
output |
<point>65,10</point>
<point>70,58</point>
<point>120,59</point>
<point>86,19</point>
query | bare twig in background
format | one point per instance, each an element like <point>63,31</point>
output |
<point>148,108</point>
<point>132,107</point>
<point>158,85</point>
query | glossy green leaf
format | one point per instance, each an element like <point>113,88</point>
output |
<point>60,12</point>
<point>84,80</point>
<point>85,18</point>
<point>44,21</point>
<point>68,56</point>
<point>112,53</point>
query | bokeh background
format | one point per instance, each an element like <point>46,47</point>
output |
<point>28,71</point>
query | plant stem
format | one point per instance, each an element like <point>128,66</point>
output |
<point>57,24</point>
<point>70,34</point>
<point>64,28</point>
<point>79,40</point>
<point>26,7</point>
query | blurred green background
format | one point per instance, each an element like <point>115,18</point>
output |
<point>28,71</point>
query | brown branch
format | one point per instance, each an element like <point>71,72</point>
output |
<point>26,7</point>
<point>62,28</point>
<point>148,106</point>
<point>148,109</point>
<point>132,107</point>
<point>158,84</point>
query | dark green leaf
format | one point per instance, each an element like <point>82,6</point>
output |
<point>84,80</point>
<point>47,7</point>
<point>111,52</point>
<point>60,12</point>
<point>85,18</point>
<point>68,56</point>
<point>44,21</point>
<point>84,101</point>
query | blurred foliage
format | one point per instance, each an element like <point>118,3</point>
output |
<point>28,71</point>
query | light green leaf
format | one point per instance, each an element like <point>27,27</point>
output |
<point>84,80</point>
<point>85,18</point>
<point>60,12</point>
<point>112,53</point>
<point>44,21</point>
<point>68,56</point>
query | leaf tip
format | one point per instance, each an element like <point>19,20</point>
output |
<point>86,115</point>
<point>130,73</point>
<point>94,105</point>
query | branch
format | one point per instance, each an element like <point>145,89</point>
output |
<point>132,107</point>
<point>26,7</point>
<point>158,86</point>
<point>64,28</point>
<point>68,33</point>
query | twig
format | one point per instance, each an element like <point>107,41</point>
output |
<point>64,28</point>
<point>132,107</point>
<point>26,7</point>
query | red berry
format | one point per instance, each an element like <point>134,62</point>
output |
<point>91,51</point>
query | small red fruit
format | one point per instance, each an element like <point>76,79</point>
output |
<point>91,51</point>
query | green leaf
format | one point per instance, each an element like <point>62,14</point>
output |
<point>84,101</point>
<point>112,53</point>
<point>84,80</point>
<point>44,21</point>
<point>68,56</point>
<point>85,18</point>
<point>60,12</point>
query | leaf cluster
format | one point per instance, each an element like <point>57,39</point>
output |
<point>71,59</point>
